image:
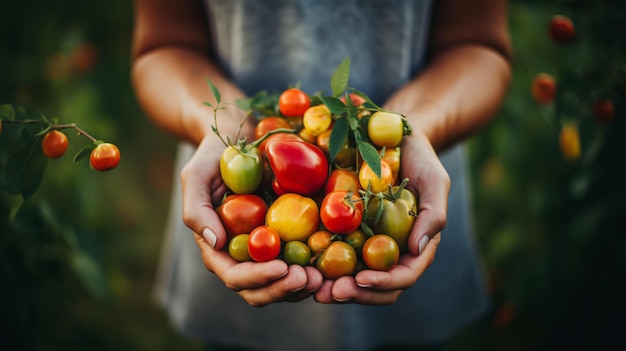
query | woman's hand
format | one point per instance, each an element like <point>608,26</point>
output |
<point>257,283</point>
<point>431,184</point>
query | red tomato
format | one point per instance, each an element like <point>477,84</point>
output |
<point>278,136</point>
<point>299,167</point>
<point>269,124</point>
<point>293,102</point>
<point>241,213</point>
<point>54,144</point>
<point>342,179</point>
<point>263,244</point>
<point>104,157</point>
<point>341,212</point>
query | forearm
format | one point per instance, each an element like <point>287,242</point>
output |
<point>170,84</point>
<point>457,94</point>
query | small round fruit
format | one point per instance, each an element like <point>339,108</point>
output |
<point>319,241</point>
<point>238,248</point>
<point>369,179</point>
<point>569,142</point>
<point>561,29</point>
<point>293,102</point>
<point>543,88</point>
<point>385,129</point>
<point>317,119</point>
<point>54,144</point>
<point>297,252</point>
<point>263,244</point>
<point>338,260</point>
<point>104,157</point>
<point>380,252</point>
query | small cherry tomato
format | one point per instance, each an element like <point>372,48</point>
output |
<point>385,129</point>
<point>392,157</point>
<point>104,157</point>
<point>380,252</point>
<point>342,179</point>
<point>293,216</point>
<point>543,88</point>
<point>263,244</point>
<point>341,212</point>
<point>356,239</point>
<point>269,124</point>
<point>293,102</point>
<point>338,260</point>
<point>317,119</point>
<point>369,179</point>
<point>356,100</point>
<point>297,252</point>
<point>241,213</point>
<point>319,241</point>
<point>241,170</point>
<point>238,248</point>
<point>54,144</point>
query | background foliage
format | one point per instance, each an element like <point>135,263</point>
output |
<point>78,260</point>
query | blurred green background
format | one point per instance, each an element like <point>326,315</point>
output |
<point>79,261</point>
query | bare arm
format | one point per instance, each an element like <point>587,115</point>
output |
<point>467,76</point>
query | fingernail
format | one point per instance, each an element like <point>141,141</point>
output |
<point>422,244</point>
<point>298,289</point>
<point>209,236</point>
<point>364,285</point>
<point>341,300</point>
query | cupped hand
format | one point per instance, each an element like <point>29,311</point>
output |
<point>430,182</point>
<point>258,283</point>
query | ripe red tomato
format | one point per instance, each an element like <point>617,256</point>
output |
<point>543,88</point>
<point>54,144</point>
<point>278,136</point>
<point>263,244</point>
<point>561,29</point>
<point>356,100</point>
<point>241,213</point>
<point>269,124</point>
<point>380,252</point>
<point>293,102</point>
<point>299,167</point>
<point>338,260</point>
<point>293,216</point>
<point>104,157</point>
<point>341,212</point>
<point>342,179</point>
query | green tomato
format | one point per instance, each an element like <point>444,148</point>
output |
<point>297,252</point>
<point>238,248</point>
<point>397,215</point>
<point>241,170</point>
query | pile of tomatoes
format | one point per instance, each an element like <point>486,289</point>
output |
<point>319,186</point>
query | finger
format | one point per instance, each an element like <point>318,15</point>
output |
<point>314,279</point>
<point>324,293</point>
<point>198,212</point>
<point>239,276</point>
<point>403,275</point>
<point>345,290</point>
<point>288,288</point>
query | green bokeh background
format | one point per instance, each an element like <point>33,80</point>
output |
<point>80,259</point>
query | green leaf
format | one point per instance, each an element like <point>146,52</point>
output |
<point>25,168</point>
<point>339,79</point>
<point>9,206</point>
<point>216,92</point>
<point>338,136</point>
<point>370,156</point>
<point>7,112</point>
<point>335,105</point>
<point>243,104</point>
<point>84,152</point>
